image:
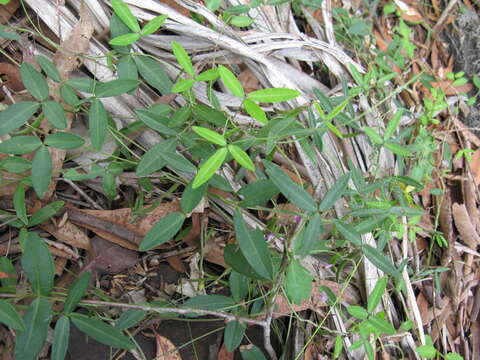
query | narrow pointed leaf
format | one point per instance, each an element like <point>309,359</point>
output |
<point>45,213</point>
<point>298,283</point>
<point>254,247</point>
<point>55,114</point>
<point>337,110</point>
<point>153,73</point>
<point>210,135</point>
<point>183,85</point>
<point>115,87</point>
<point>191,197</point>
<point>10,317</point>
<point>151,162</point>
<point>124,13</point>
<point>178,162</point>
<point>97,123</point>
<point>209,168</point>
<point>380,260</point>
<point>41,171</point>
<point>233,335</point>
<point>372,135</point>
<point>382,325</point>
<point>334,193</point>
<point>164,230</point>
<point>35,82</point>
<point>231,81</point>
<point>20,145</point>
<point>49,68</point>
<point>234,257</point>
<point>348,232</point>
<point>156,122</point>
<point>127,69</point>
<point>16,115</point>
<point>130,318</point>
<point>252,353</point>
<point>125,39</point>
<point>63,140</point>
<point>37,262</point>
<point>311,234</point>
<point>255,111</point>
<point>357,311</point>
<point>376,294</point>
<point>76,292</point>
<point>397,149</point>
<point>183,58</point>
<point>273,95</point>
<point>102,332</point>
<point>19,203</point>
<point>393,124</point>
<point>289,188</point>
<point>82,84</point>
<point>211,302</point>
<point>61,337</point>
<point>154,24</point>
<point>241,156</point>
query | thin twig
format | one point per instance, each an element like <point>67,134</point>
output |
<point>82,193</point>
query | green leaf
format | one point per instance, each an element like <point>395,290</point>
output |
<point>20,145</point>
<point>34,81</point>
<point>208,114</point>
<point>210,302</point>
<point>154,24</point>
<point>16,115</point>
<point>41,171</point>
<point>357,311</point>
<point>191,197</point>
<point>102,332</point>
<point>348,232</point>
<point>233,335</point>
<point>182,85</point>
<point>397,149</point>
<point>238,284</point>
<point>234,257</point>
<point>19,203</point>
<point>392,125</point>
<point>376,294</point>
<point>156,122</point>
<point>37,262</point>
<point>11,35</point>
<point>45,213</point>
<point>84,84</point>
<point>30,342</point>
<point>124,13</point>
<point>380,260</point>
<point>405,211</point>
<point>130,318</point>
<point>164,230</point>
<point>453,356</point>
<point>241,20</point>
<point>10,317</point>
<point>310,235</point>
<point>337,110</point>
<point>255,111</point>
<point>180,116</point>
<point>125,39</point>
<point>231,81</point>
<point>153,73</point>
<point>427,351</point>
<point>49,68</point>
<point>372,135</point>
<point>61,337</point>
<point>289,188</point>
<point>76,292</point>
<point>115,87</point>
<point>209,168</point>
<point>273,95</point>
<point>64,140</point>
<point>253,353</point>
<point>55,114</point>
<point>15,164</point>
<point>69,95</point>
<point>241,156</point>
<point>183,58</point>
<point>210,135</point>
<point>298,282</point>
<point>254,247</point>
<point>127,69</point>
<point>334,193</point>
<point>338,347</point>
<point>177,161</point>
<point>382,325</point>
<point>151,162</point>
<point>208,75</point>
<point>258,193</point>
<point>97,123</point>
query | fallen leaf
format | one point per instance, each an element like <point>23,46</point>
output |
<point>408,12</point>
<point>450,89</point>
<point>166,350</point>
<point>69,234</point>
<point>475,166</point>
<point>13,79</point>
<point>464,226</point>
<point>223,354</point>
<point>248,80</point>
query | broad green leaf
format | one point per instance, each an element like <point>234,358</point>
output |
<point>357,311</point>
<point>233,335</point>
<point>311,234</point>
<point>238,284</point>
<point>209,167</point>
<point>117,28</point>
<point>334,193</point>
<point>41,171</point>
<point>253,353</point>
<point>19,203</point>
<point>254,247</point>
<point>69,95</point>
<point>273,95</point>
<point>209,114</point>
<point>64,140</point>
<point>102,332</point>
<point>208,75</point>
<point>372,135</point>
<point>49,68</point>
<point>45,213</point>
<point>210,302</point>
<point>298,282</point>
<point>348,232</point>
<point>258,193</point>
<point>115,87</point>
<point>15,164</point>
<point>156,122</point>
<point>154,24</point>
<point>453,356</point>
<point>234,257</point>
<point>231,81</point>
<point>20,145</point>
<point>16,115</point>
<point>376,294</point>
<point>183,58</point>
<point>241,156</point>
<point>84,84</point>
<point>151,162</point>
<point>427,351</point>
<point>279,129</point>
<point>61,337</point>
<point>124,13</point>
<point>397,149</point>
<point>191,197</point>
<point>34,81</point>
<point>37,262</point>
<point>338,347</point>
<point>10,317</point>
<point>255,111</point>
<point>180,116</point>
<point>392,125</point>
<point>210,135</point>
<point>129,318</point>
<point>125,39</point>
<point>241,20</point>
<point>182,85</point>
<point>178,162</point>
<point>382,325</point>
<point>164,230</point>
<point>126,68</point>
<point>55,114</point>
<point>153,73</point>
<point>380,260</point>
<point>97,123</point>
<point>30,342</point>
<point>289,188</point>
<point>76,292</point>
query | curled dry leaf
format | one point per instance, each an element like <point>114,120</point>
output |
<point>450,89</point>
<point>464,226</point>
<point>69,234</point>
<point>475,166</point>
<point>166,350</point>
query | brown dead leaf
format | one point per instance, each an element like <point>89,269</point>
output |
<point>4,275</point>
<point>223,354</point>
<point>249,81</point>
<point>408,12</point>
<point>69,234</point>
<point>423,306</point>
<point>60,264</point>
<point>450,89</point>
<point>475,166</point>
<point>12,74</point>
<point>464,226</point>
<point>177,264</point>
<point>166,350</point>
